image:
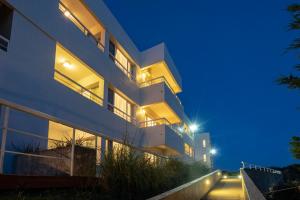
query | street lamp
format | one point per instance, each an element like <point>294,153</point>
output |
<point>194,127</point>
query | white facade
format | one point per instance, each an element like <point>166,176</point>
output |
<point>72,60</point>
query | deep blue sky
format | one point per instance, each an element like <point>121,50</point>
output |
<point>229,54</point>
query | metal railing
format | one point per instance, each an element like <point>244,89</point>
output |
<point>123,68</point>
<point>160,121</point>
<point>78,88</point>
<point>82,27</point>
<point>259,168</point>
<point>121,113</point>
<point>160,79</point>
<point>3,43</point>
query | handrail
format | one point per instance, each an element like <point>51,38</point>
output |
<point>128,73</point>
<point>260,168</point>
<point>123,115</point>
<point>159,80</point>
<point>151,123</point>
<point>85,29</point>
<point>42,115</point>
<point>81,87</point>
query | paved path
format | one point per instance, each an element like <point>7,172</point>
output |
<point>226,189</point>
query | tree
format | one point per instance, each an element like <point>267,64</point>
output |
<point>293,81</point>
<point>295,147</point>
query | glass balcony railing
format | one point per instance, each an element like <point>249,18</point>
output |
<point>161,121</point>
<point>77,87</point>
<point>68,14</point>
<point>159,80</point>
<point>121,113</point>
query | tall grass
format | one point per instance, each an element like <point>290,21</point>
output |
<point>128,174</point>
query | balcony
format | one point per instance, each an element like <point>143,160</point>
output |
<point>162,137</point>
<point>157,96</point>
<point>84,20</point>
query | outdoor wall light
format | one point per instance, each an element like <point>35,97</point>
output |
<point>207,182</point>
<point>194,127</point>
<point>213,151</point>
<point>225,176</point>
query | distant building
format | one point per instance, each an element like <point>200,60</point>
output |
<point>70,76</point>
<point>202,143</point>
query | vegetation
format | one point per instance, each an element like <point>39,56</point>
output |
<point>125,174</point>
<point>293,81</point>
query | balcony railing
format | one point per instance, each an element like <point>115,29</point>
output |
<point>80,25</point>
<point>122,67</point>
<point>3,43</point>
<point>121,113</point>
<point>160,79</point>
<point>160,121</point>
<point>78,88</point>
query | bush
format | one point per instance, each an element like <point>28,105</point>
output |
<point>127,174</point>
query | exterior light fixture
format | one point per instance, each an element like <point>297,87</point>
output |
<point>219,173</point>
<point>207,182</point>
<point>225,176</point>
<point>68,65</point>
<point>213,151</point>
<point>180,129</point>
<point>194,127</point>
<point>67,13</point>
<point>240,177</point>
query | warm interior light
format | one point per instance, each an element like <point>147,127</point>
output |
<point>207,182</point>
<point>68,65</point>
<point>67,13</point>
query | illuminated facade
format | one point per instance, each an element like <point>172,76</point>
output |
<point>72,60</point>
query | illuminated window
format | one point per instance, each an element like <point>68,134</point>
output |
<point>6,16</point>
<point>121,60</point>
<point>204,143</point>
<point>119,105</point>
<point>76,75</point>
<point>120,148</point>
<point>204,158</point>
<point>188,150</point>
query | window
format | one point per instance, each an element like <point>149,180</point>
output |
<point>119,105</point>
<point>121,60</point>
<point>77,76</point>
<point>188,150</point>
<point>204,158</point>
<point>204,143</point>
<point>151,158</point>
<point>6,16</point>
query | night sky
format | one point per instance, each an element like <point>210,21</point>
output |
<point>229,54</point>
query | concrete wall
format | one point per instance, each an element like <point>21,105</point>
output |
<point>200,150</point>
<point>193,190</point>
<point>251,192</point>
<point>263,180</point>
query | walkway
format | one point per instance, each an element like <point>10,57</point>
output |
<point>226,189</point>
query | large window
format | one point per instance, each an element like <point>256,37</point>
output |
<point>119,105</point>
<point>6,16</point>
<point>204,158</point>
<point>77,76</point>
<point>204,143</point>
<point>121,60</point>
<point>188,150</point>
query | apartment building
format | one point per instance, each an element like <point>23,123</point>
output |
<point>204,153</point>
<point>69,75</point>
